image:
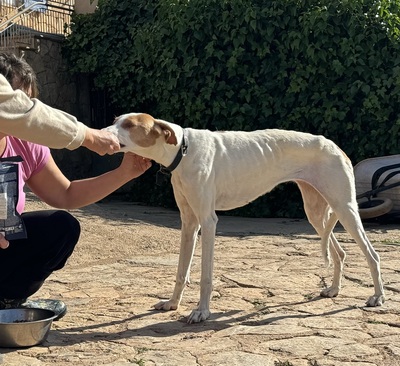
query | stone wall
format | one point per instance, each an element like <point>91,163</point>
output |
<point>59,89</point>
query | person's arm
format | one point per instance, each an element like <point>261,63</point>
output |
<point>55,189</point>
<point>32,120</point>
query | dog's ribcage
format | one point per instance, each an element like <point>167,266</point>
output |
<point>245,165</point>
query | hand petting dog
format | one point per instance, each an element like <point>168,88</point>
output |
<point>134,165</point>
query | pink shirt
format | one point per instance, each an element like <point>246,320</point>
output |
<point>35,158</point>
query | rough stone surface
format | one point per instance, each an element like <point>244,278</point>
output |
<point>266,308</point>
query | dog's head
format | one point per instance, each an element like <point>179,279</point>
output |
<point>139,132</point>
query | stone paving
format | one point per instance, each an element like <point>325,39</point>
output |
<point>266,309</point>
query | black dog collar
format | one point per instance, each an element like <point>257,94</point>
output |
<point>166,171</point>
<point>181,153</point>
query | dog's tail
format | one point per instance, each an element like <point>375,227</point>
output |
<point>330,223</point>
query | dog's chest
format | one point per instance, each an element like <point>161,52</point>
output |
<point>231,169</point>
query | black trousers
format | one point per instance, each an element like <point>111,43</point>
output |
<point>26,263</point>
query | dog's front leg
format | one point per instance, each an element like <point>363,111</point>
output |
<point>208,228</point>
<point>190,229</point>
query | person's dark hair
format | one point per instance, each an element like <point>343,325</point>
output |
<point>19,73</point>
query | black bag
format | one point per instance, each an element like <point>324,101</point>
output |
<point>11,225</point>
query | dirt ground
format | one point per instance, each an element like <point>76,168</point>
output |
<point>266,308</point>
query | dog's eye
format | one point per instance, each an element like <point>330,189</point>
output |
<point>122,145</point>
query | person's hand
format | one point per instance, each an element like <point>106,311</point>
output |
<point>134,165</point>
<point>3,242</point>
<point>101,142</point>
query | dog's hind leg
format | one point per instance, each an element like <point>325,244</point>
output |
<point>338,255</point>
<point>345,206</point>
<point>351,221</point>
<point>324,220</point>
<point>189,231</point>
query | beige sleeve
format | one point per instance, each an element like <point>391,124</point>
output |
<point>32,120</point>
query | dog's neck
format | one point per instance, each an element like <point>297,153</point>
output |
<point>183,146</point>
<point>168,155</point>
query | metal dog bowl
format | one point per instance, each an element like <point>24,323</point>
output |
<point>24,327</point>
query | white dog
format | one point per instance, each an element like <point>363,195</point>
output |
<point>224,170</point>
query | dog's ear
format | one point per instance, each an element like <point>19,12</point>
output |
<point>169,133</point>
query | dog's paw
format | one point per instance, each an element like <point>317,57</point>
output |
<point>166,305</point>
<point>330,292</point>
<point>198,316</point>
<point>376,300</point>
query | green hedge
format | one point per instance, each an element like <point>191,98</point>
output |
<point>315,66</point>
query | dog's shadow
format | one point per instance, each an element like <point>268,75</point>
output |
<point>217,322</point>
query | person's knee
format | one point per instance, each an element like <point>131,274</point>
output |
<point>66,232</point>
<point>69,225</point>
<point>68,237</point>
